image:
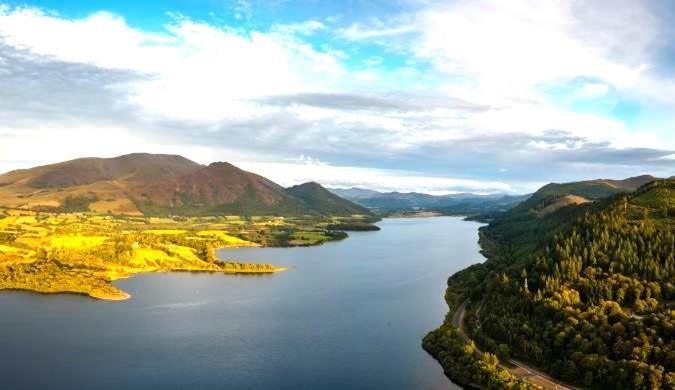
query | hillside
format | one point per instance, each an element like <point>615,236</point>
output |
<point>590,190</point>
<point>219,188</point>
<point>135,167</point>
<point>315,197</point>
<point>584,291</point>
<point>354,193</point>
<point>548,209</point>
<point>150,184</point>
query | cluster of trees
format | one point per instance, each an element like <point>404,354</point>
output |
<point>465,365</point>
<point>53,276</point>
<point>593,306</point>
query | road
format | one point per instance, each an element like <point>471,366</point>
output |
<point>518,369</point>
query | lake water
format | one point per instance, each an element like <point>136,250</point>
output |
<point>346,315</point>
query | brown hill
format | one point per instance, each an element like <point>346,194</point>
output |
<point>150,184</point>
<point>218,188</point>
<point>82,171</point>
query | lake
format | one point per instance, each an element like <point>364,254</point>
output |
<point>348,314</point>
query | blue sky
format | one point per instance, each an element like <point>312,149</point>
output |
<point>411,95</point>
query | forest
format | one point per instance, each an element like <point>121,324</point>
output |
<point>585,294</point>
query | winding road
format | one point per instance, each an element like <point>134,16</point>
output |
<point>518,369</point>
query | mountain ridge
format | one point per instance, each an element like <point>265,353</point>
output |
<point>482,207</point>
<point>156,184</point>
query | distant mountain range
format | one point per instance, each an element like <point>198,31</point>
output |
<point>156,184</point>
<point>547,199</point>
<point>153,184</point>
<point>463,203</point>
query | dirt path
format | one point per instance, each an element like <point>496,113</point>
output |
<point>518,369</point>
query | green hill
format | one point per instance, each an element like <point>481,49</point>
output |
<point>584,292</point>
<point>552,207</point>
<point>315,197</point>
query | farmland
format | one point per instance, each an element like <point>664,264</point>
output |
<point>83,253</point>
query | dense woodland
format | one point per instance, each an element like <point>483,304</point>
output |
<point>585,294</point>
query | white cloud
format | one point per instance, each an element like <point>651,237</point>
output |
<point>291,173</point>
<point>28,148</point>
<point>521,43</point>
<point>194,70</point>
<point>592,90</point>
<point>305,28</point>
<point>358,32</point>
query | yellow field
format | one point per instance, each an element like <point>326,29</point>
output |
<point>226,238</point>
<point>76,242</point>
<point>183,252</point>
<point>30,241</point>
<point>143,256</point>
<point>166,231</point>
<point>83,253</point>
<point>8,249</point>
<point>154,220</point>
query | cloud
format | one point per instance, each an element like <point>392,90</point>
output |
<point>399,101</point>
<point>36,90</point>
<point>194,70</point>
<point>305,28</point>
<point>592,90</point>
<point>359,32</point>
<point>378,179</point>
<point>524,42</point>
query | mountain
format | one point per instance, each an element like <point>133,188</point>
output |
<point>155,184</point>
<point>548,198</point>
<point>219,188</point>
<point>354,193</point>
<point>589,190</point>
<point>455,204</point>
<point>83,171</point>
<point>554,204</point>
<point>316,197</point>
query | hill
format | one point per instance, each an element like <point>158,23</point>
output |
<point>583,292</point>
<point>151,184</point>
<point>552,206</point>
<point>354,192</point>
<point>315,197</point>
<point>590,189</point>
<point>132,167</point>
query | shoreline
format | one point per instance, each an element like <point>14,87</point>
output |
<point>125,295</point>
<point>121,295</point>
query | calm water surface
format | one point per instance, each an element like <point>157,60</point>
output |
<point>346,315</point>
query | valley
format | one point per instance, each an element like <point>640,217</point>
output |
<point>577,286</point>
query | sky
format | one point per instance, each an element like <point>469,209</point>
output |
<point>409,95</point>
